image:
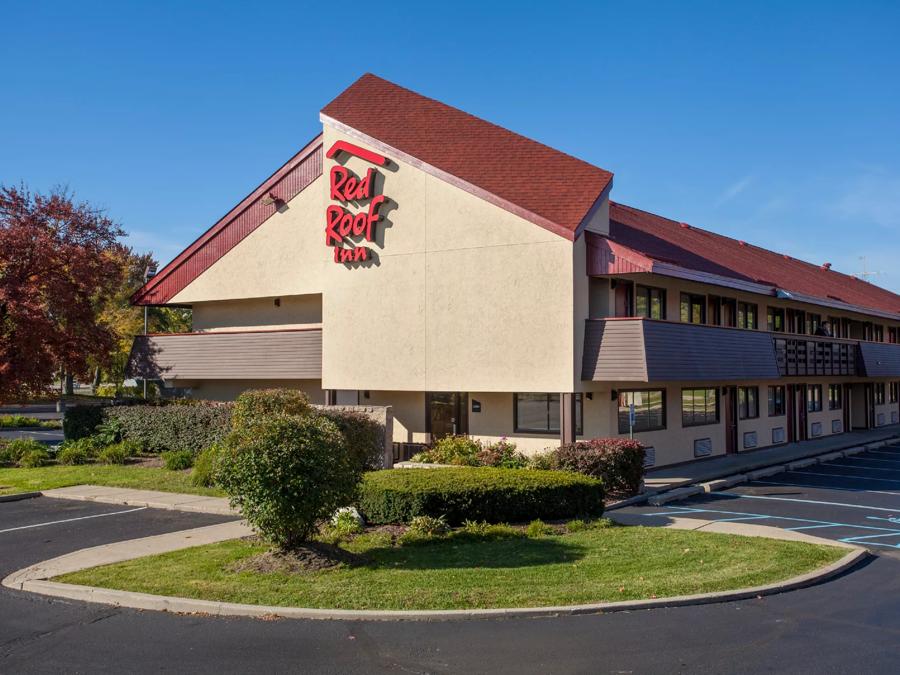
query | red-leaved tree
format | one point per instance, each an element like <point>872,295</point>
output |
<point>57,266</point>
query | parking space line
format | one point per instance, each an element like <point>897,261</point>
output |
<point>828,487</point>
<point>71,520</point>
<point>842,475</point>
<point>861,468</point>
<point>809,501</point>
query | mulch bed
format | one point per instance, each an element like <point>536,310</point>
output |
<point>310,558</point>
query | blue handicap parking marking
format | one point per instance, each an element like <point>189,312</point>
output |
<point>888,537</point>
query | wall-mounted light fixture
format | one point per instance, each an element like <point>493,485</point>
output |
<point>614,395</point>
<point>589,395</point>
<point>278,302</point>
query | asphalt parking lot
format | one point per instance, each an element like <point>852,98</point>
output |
<point>853,499</point>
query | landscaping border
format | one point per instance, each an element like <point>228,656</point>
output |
<point>34,579</point>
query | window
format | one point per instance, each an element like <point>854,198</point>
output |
<point>878,333</point>
<point>776,401</point>
<point>693,308</point>
<point>813,321</point>
<point>539,413</point>
<point>746,315</point>
<point>699,406</point>
<point>814,398</point>
<point>650,302</point>
<point>895,392</point>
<point>775,319</point>
<point>837,326</point>
<point>879,393</point>
<point>649,410</point>
<point>835,396</point>
<point>748,403</point>
<point>892,335</point>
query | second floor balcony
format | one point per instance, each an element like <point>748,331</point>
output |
<point>648,350</point>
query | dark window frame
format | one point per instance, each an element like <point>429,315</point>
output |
<point>650,290</point>
<point>549,431</point>
<point>625,392</point>
<point>693,299</point>
<point>814,398</point>
<point>895,392</point>
<point>835,396</point>
<point>773,313</point>
<point>712,392</point>
<point>777,408</point>
<point>743,313</point>
<point>880,393</point>
<point>745,410</point>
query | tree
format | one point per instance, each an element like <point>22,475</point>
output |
<point>58,263</point>
<point>126,320</point>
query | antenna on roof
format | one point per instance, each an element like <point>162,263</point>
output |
<point>865,275</point>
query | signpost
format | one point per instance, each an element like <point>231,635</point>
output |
<point>631,421</point>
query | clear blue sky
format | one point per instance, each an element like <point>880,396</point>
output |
<point>778,123</point>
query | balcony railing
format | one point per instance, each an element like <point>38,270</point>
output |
<point>812,355</point>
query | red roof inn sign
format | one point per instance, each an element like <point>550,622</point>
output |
<point>345,187</point>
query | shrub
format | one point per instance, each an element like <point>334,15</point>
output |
<point>204,473</point>
<point>73,454</point>
<point>286,473</point>
<point>429,526</point>
<point>31,459</point>
<point>538,528</point>
<point>493,495</point>
<point>88,446</point>
<point>162,428</point>
<point>466,451</point>
<point>254,405</point>
<point>363,436</point>
<point>177,460</point>
<point>346,522</point>
<point>484,530</point>
<point>12,451</point>
<point>114,454</point>
<point>501,454</point>
<point>81,420</point>
<point>619,462</point>
<point>542,461</point>
<point>109,431</point>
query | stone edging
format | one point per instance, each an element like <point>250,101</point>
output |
<point>34,579</point>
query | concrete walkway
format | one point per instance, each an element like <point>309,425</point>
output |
<point>150,498</point>
<point>670,477</point>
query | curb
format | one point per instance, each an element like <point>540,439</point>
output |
<point>19,496</point>
<point>33,579</point>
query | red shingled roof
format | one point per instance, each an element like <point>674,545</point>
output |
<point>536,178</point>
<point>693,248</point>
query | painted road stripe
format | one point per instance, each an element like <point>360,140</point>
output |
<point>71,520</point>
<point>828,487</point>
<point>843,475</point>
<point>810,501</point>
<point>862,468</point>
<point>824,523</point>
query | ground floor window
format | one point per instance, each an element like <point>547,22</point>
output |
<point>895,392</point>
<point>699,407</point>
<point>776,401</point>
<point>649,410</point>
<point>879,393</point>
<point>748,403</point>
<point>835,396</point>
<point>814,398</point>
<point>539,413</point>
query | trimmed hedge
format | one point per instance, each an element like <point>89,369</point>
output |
<point>81,421</point>
<point>478,493</point>
<point>255,404</point>
<point>169,428</point>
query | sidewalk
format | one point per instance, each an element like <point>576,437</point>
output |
<point>670,477</point>
<point>150,498</point>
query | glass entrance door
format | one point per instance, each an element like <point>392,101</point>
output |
<point>446,414</point>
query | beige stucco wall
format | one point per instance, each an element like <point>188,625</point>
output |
<point>298,311</point>
<point>409,413</point>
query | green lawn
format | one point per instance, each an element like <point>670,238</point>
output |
<point>144,478</point>
<point>21,421</point>
<point>616,563</point>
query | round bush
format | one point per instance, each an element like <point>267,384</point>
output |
<point>73,454</point>
<point>254,405</point>
<point>481,493</point>
<point>32,459</point>
<point>178,460</point>
<point>286,473</point>
<point>618,462</point>
<point>113,454</point>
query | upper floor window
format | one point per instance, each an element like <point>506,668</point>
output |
<point>746,315</point>
<point>748,403</point>
<point>776,401</point>
<point>540,413</point>
<point>650,302</point>
<point>837,326</point>
<point>892,335</point>
<point>879,393</point>
<point>699,406</point>
<point>693,308</point>
<point>813,324</point>
<point>835,396</point>
<point>878,333</point>
<point>814,398</point>
<point>775,319</point>
<point>649,410</point>
<point>895,392</point>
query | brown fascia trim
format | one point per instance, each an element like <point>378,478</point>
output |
<point>232,332</point>
<point>225,220</point>
<point>479,192</point>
